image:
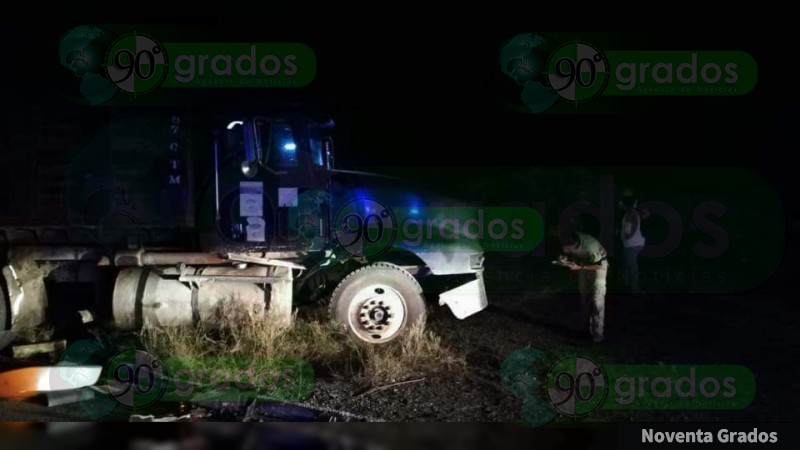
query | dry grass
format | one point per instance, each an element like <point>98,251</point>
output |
<point>238,331</point>
<point>41,333</point>
<point>420,353</point>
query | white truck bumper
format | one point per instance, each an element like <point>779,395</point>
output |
<point>466,299</point>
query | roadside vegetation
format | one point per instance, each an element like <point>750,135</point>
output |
<point>241,332</point>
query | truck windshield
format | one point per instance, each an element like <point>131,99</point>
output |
<point>281,143</point>
<point>277,141</point>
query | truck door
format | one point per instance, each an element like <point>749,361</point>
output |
<point>270,188</point>
<point>295,183</point>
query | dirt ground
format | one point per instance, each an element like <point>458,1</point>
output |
<point>754,330</point>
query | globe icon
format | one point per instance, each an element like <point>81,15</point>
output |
<point>520,373</point>
<point>71,371</point>
<point>537,412</point>
<point>521,81</point>
<point>81,75</point>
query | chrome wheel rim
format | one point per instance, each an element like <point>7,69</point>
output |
<point>377,313</point>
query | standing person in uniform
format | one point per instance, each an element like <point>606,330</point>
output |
<point>632,241</point>
<point>585,255</point>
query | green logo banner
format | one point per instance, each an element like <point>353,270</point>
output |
<point>203,378</point>
<point>681,73</point>
<point>686,387</point>
<point>240,65</point>
<point>137,63</point>
<point>538,72</point>
<point>576,386</point>
<point>502,229</point>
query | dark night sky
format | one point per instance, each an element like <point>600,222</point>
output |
<point>428,94</point>
<point>419,94</point>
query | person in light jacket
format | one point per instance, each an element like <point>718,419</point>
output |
<point>584,254</point>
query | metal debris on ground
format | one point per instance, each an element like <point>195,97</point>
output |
<point>58,398</point>
<point>28,350</point>
<point>268,412</point>
<point>27,382</point>
<point>86,316</point>
<point>152,418</point>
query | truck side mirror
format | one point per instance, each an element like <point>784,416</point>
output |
<point>327,146</point>
<point>252,152</point>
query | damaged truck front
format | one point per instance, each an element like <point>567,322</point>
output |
<point>162,224</point>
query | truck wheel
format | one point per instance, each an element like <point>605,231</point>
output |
<point>378,303</point>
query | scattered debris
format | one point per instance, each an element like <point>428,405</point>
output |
<point>250,412</point>
<point>257,411</point>
<point>387,386</point>
<point>28,350</point>
<point>27,382</point>
<point>57,398</point>
<point>152,418</point>
<point>86,316</point>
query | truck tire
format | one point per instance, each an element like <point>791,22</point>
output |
<point>378,303</point>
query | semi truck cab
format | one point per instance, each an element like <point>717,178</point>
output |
<point>274,223</point>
